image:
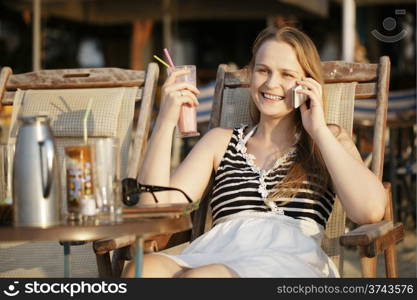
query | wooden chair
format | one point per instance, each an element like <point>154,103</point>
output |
<point>345,82</point>
<point>117,93</point>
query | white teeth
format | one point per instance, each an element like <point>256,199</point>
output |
<point>272,97</point>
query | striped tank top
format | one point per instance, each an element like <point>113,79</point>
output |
<point>239,185</point>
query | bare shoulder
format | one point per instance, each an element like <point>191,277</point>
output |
<point>218,139</point>
<point>214,140</point>
<point>218,135</point>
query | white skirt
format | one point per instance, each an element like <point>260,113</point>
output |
<point>259,244</point>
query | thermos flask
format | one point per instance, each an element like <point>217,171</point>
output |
<point>36,185</point>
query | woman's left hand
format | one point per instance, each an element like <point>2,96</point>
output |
<point>312,116</point>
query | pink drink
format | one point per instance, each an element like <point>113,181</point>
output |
<point>187,122</point>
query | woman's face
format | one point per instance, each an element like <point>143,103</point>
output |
<point>275,72</point>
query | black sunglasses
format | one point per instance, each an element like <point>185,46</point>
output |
<point>131,190</point>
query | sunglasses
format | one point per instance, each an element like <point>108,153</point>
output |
<point>131,190</point>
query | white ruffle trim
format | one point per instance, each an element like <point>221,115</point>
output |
<point>262,190</point>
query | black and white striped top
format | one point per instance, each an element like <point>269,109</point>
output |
<point>239,185</point>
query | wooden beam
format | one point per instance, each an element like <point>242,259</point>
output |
<point>141,31</point>
<point>349,31</point>
<point>36,33</point>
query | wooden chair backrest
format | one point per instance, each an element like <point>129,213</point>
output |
<point>146,81</point>
<point>372,82</point>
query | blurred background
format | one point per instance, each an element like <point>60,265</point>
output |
<point>53,34</point>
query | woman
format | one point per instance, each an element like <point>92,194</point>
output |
<point>274,183</point>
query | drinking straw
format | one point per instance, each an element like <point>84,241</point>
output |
<point>171,63</point>
<point>87,113</point>
<point>161,61</point>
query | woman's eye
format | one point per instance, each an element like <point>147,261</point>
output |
<point>262,70</point>
<point>288,75</point>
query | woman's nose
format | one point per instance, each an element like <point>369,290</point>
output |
<point>273,81</point>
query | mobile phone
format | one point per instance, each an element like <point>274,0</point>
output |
<point>297,99</point>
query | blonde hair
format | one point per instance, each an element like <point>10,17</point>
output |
<point>308,163</point>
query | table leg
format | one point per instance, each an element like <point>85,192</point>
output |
<point>67,260</point>
<point>138,256</point>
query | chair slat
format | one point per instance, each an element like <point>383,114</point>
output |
<point>9,96</point>
<point>333,71</point>
<point>143,127</point>
<point>240,79</point>
<point>76,78</point>
<point>381,117</point>
<point>4,77</point>
<point>339,71</point>
<point>237,78</point>
<point>218,97</point>
<point>366,91</point>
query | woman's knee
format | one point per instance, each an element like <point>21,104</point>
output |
<point>210,271</point>
<point>154,265</point>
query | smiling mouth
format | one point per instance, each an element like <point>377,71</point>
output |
<point>271,97</point>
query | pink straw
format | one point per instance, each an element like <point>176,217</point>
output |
<point>169,58</point>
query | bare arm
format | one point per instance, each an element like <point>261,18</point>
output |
<point>193,175</point>
<point>360,191</point>
<point>155,169</point>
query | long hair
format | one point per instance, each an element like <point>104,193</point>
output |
<point>308,163</point>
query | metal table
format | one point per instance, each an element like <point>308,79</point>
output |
<point>140,225</point>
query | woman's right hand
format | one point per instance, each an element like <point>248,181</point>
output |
<point>173,95</point>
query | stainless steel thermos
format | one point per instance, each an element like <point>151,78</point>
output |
<point>36,185</point>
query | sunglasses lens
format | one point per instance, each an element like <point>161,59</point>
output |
<point>130,192</point>
<point>131,199</point>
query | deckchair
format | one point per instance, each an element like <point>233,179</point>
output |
<point>64,95</point>
<point>345,83</point>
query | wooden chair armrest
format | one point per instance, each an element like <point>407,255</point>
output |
<point>151,244</point>
<point>374,238</point>
<point>106,245</point>
<point>169,240</point>
<point>365,234</point>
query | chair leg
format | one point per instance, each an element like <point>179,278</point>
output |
<point>368,265</point>
<point>104,265</point>
<point>118,259</point>
<point>391,262</point>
